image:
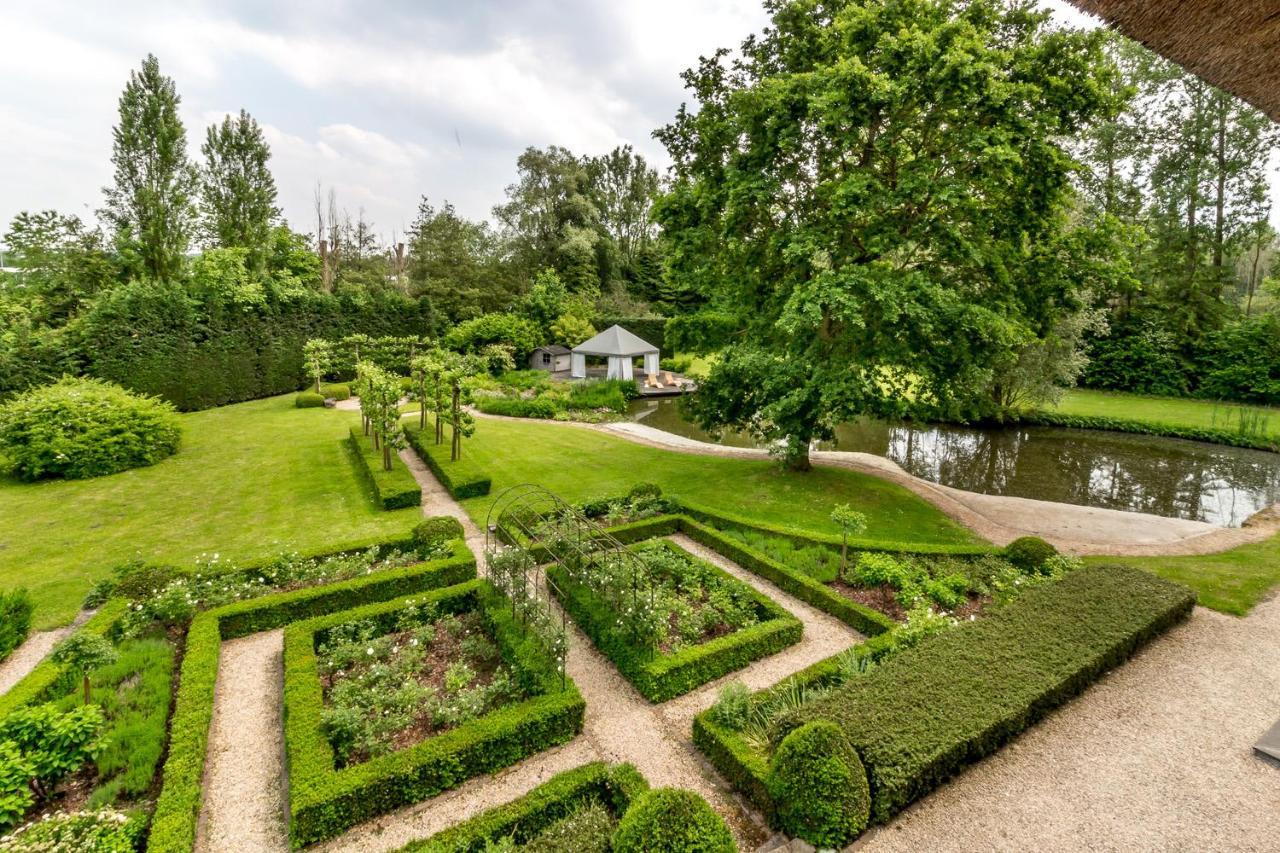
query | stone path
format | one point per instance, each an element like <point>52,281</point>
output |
<point>27,656</point>
<point>244,784</point>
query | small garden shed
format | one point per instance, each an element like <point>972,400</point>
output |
<point>620,347</point>
<point>552,357</point>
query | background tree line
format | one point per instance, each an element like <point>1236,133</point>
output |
<point>191,285</point>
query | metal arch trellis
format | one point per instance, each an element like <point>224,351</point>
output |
<point>529,527</point>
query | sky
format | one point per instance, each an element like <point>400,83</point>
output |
<point>384,101</point>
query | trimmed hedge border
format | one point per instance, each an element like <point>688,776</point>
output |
<point>173,827</point>
<point>462,479</point>
<point>927,712</point>
<point>324,801</point>
<point>394,489</point>
<point>613,787</point>
<point>663,677</point>
<point>1210,435</point>
<point>40,682</point>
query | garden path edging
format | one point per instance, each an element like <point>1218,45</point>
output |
<point>34,649</point>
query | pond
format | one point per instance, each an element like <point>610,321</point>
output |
<point>1140,473</point>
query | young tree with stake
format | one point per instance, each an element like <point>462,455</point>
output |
<point>317,354</point>
<point>84,654</point>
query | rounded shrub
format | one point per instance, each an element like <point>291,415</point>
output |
<point>78,428</point>
<point>309,400</point>
<point>1029,553</point>
<point>672,820</point>
<point>336,391</point>
<point>436,531</point>
<point>819,786</point>
<point>645,490</point>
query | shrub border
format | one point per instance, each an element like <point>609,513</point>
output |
<point>173,826</point>
<point>612,786</point>
<point>664,677</point>
<point>394,489</point>
<point>324,801</point>
<point>468,481</point>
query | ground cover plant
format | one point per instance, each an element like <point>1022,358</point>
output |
<point>252,480</point>
<point>669,621</point>
<point>82,428</point>
<point>575,810</point>
<point>101,830</point>
<point>326,798</point>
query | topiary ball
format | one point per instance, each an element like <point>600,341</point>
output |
<point>1029,553</point>
<point>436,531</point>
<point>672,820</point>
<point>645,490</point>
<point>819,786</point>
<point>78,428</point>
<point>308,400</point>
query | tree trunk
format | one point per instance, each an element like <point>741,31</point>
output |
<point>456,449</point>
<point>317,383</point>
<point>1220,202</point>
<point>422,415</point>
<point>86,689</point>
<point>797,458</point>
<point>386,457</point>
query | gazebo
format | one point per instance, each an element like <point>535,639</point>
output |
<point>620,347</point>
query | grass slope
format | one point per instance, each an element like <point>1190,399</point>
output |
<point>580,463</point>
<point>250,480</point>
<point>1175,411</point>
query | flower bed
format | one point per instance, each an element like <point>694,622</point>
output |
<point>394,489</point>
<point>534,394</point>
<point>325,798</point>
<point>698,621</point>
<point>540,818</point>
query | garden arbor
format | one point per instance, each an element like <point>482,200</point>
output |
<point>617,345</point>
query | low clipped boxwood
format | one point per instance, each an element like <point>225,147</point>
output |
<point>394,489</point>
<point>308,400</point>
<point>462,479</point>
<point>672,820</point>
<point>79,428</point>
<point>819,787</point>
<point>15,620</point>
<point>611,786</point>
<point>336,391</point>
<point>436,530</point>
<point>1029,553</point>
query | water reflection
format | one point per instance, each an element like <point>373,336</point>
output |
<point>1169,477</point>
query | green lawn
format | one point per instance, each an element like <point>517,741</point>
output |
<point>251,480</point>
<point>1175,411</point>
<point>579,463</point>
<point>1232,582</point>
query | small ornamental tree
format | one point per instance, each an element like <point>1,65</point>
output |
<point>380,405</point>
<point>317,354</point>
<point>357,347</point>
<point>850,522</point>
<point>427,371</point>
<point>84,653</point>
<point>459,368</point>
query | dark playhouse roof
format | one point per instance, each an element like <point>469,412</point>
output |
<point>1230,43</point>
<point>554,349</point>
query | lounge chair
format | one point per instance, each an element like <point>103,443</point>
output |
<point>667,378</point>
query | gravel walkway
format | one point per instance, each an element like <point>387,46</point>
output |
<point>27,656</point>
<point>1157,756</point>
<point>244,779</point>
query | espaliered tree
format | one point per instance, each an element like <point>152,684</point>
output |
<point>317,355</point>
<point>458,368</point>
<point>380,405</point>
<point>875,194</point>
<point>429,389</point>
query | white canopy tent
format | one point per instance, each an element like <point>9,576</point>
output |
<point>620,347</point>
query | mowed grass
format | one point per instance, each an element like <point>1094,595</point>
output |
<point>251,480</point>
<point>1175,411</point>
<point>1231,582</point>
<point>579,463</point>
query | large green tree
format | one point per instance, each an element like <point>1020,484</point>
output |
<point>873,191</point>
<point>456,263</point>
<point>151,203</point>
<point>238,192</point>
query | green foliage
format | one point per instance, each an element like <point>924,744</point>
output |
<point>1029,553</point>
<point>102,831</point>
<point>391,489</point>
<point>16,796</point>
<point>461,478</point>
<point>83,653</point>
<point>78,428</point>
<point>819,786</point>
<point>336,391</point>
<point>308,400</point>
<point>732,706</point>
<point>919,717</point>
<point>525,819</point>
<point>519,333</point>
<point>1137,356</point>
<point>318,356</point>
<point>237,191</point>
<point>54,744</point>
<point>1242,362</point>
<point>434,532</point>
<point>15,620</point>
<point>672,820</point>
<point>571,330</point>
<point>324,800</point>
<point>48,679</point>
<point>589,830</point>
<point>173,828</point>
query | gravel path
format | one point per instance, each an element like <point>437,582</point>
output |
<point>1156,756</point>
<point>244,780</point>
<point>27,656</point>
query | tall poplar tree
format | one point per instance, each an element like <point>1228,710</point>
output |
<point>151,206</point>
<point>238,192</point>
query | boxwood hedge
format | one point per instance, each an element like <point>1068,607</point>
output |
<point>928,711</point>
<point>613,787</point>
<point>394,489</point>
<point>325,800</point>
<point>660,677</point>
<point>461,479</point>
<point>173,828</point>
